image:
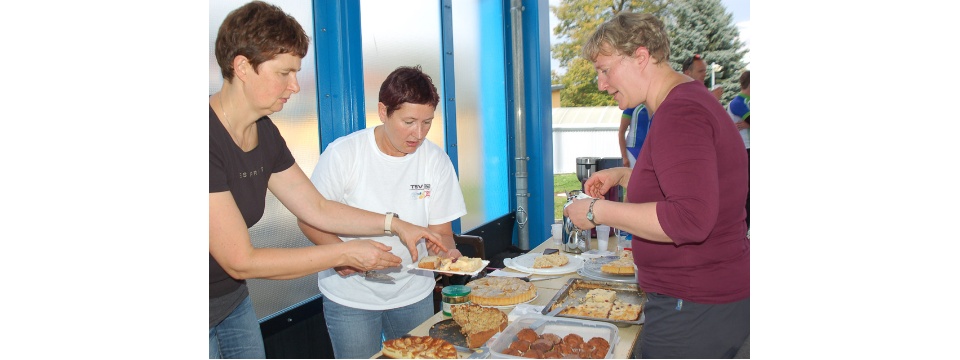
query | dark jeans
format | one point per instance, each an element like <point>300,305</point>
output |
<point>682,329</point>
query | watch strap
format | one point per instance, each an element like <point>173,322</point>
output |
<point>590,212</point>
<point>387,221</point>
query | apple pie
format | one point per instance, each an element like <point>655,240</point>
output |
<point>500,291</point>
<point>419,347</point>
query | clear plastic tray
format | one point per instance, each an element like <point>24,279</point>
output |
<point>548,324</point>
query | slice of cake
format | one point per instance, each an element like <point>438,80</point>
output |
<point>600,295</point>
<point>621,266</point>
<point>590,309</point>
<point>549,261</point>
<point>431,262</point>
<point>477,323</point>
<point>624,311</point>
<point>465,264</point>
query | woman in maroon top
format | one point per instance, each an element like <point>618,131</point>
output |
<point>685,197</point>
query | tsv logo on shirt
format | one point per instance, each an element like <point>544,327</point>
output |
<point>420,191</point>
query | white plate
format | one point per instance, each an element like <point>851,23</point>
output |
<point>524,263</point>
<point>483,265</point>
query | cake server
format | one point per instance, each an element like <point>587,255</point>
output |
<point>374,275</point>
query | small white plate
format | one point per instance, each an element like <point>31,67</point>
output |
<point>483,265</point>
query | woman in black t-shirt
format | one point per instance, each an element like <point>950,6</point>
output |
<point>259,49</point>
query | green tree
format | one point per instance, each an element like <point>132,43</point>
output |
<point>705,27</point>
<point>577,19</point>
<point>695,27</point>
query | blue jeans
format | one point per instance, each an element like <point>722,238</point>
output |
<point>358,334</point>
<point>238,336</point>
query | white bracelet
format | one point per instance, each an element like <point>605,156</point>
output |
<point>387,221</point>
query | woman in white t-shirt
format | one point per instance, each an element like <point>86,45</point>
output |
<point>388,168</point>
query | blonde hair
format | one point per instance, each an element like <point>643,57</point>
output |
<point>625,33</point>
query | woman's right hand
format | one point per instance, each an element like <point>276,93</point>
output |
<point>366,254</point>
<point>601,181</point>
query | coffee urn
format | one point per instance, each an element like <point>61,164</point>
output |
<point>586,166</point>
<point>615,193</point>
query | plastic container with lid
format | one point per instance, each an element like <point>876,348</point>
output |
<point>558,326</point>
<point>454,295</point>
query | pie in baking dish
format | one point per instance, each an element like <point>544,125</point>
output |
<point>419,347</point>
<point>602,303</point>
<point>500,291</point>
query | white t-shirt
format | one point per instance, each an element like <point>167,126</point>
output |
<point>421,187</point>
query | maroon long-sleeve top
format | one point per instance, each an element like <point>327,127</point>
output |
<point>693,164</point>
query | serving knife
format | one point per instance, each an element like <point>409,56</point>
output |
<point>527,278</point>
<point>374,275</point>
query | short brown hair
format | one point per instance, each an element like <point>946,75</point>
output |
<point>625,33</point>
<point>408,85</point>
<point>258,31</point>
<point>745,80</point>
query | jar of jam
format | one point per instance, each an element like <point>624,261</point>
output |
<point>454,295</point>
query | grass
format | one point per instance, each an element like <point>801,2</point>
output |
<point>561,184</point>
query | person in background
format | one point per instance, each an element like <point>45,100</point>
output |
<point>634,124</point>
<point>259,49</point>
<point>696,68</point>
<point>422,187</point>
<point>739,109</point>
<point>685,197</point>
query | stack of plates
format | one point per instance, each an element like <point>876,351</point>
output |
<point>524,263</point>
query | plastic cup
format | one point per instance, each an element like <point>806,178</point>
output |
<point>556,230</point>
<point>603,237</point>
<point>623,241</point>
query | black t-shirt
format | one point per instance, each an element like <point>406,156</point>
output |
<point>245,175</point>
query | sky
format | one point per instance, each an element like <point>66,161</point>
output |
<point>741,17</point>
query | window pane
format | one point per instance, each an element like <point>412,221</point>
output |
<point>481,110</point>
<point>400,33</point>
<point>298,125</point>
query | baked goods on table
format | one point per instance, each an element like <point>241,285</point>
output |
<point>500,291</point>
<point>621,266</point>
<point>549,261</point>
<point>603,303</point>
<point>463,263</point>
<point>624,311</point>
<point>419,347</point>
<point>551,346</point>
<point>477,323</point>
<point>600,295</point>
